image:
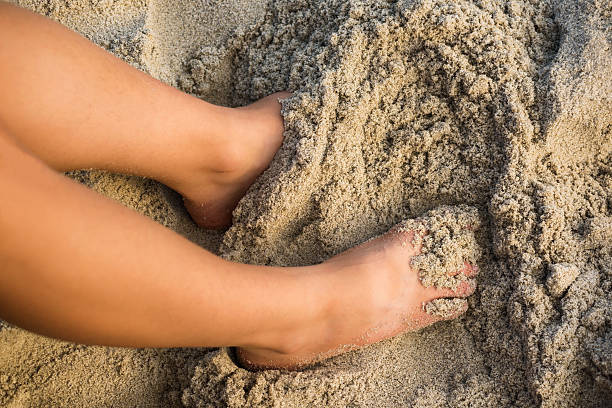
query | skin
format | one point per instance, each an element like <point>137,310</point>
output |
<point>67,104</point>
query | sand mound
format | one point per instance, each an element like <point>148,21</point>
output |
<point>399,107</point>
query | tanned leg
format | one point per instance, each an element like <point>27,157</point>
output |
<point>76,106</point>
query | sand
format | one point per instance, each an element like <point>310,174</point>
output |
<point>495,112</point>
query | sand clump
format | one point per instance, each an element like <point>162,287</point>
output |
<point>446,237</point>
<point>487,123</point>
<point>446,308</point>
<point>560,277</point>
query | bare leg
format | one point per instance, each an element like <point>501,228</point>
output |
<point>83,268</point>
<point>95,111</point>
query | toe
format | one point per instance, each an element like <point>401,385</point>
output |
<point>468,270</point>
<point>282,95</point>
<point>424,319</point>
<point>464,289</point>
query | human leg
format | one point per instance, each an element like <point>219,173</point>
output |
<point>96,111</point>
<point>81,267</point>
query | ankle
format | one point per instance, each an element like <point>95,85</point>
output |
<point>312,326</point>
<point>212,156</point>
<point>221,164</point>
<point>335,324</point>
<point>231,152</point>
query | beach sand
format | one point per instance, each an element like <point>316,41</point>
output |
<point>490,113</point>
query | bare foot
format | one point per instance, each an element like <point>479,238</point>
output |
<point>379,296</point>
<point>256,133</point>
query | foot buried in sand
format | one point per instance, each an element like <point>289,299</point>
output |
<point>384,291</point>
<point>256,132</point>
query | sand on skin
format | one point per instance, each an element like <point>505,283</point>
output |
<point>399,108</point>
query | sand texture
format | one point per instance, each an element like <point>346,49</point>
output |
<point>487,123</point>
